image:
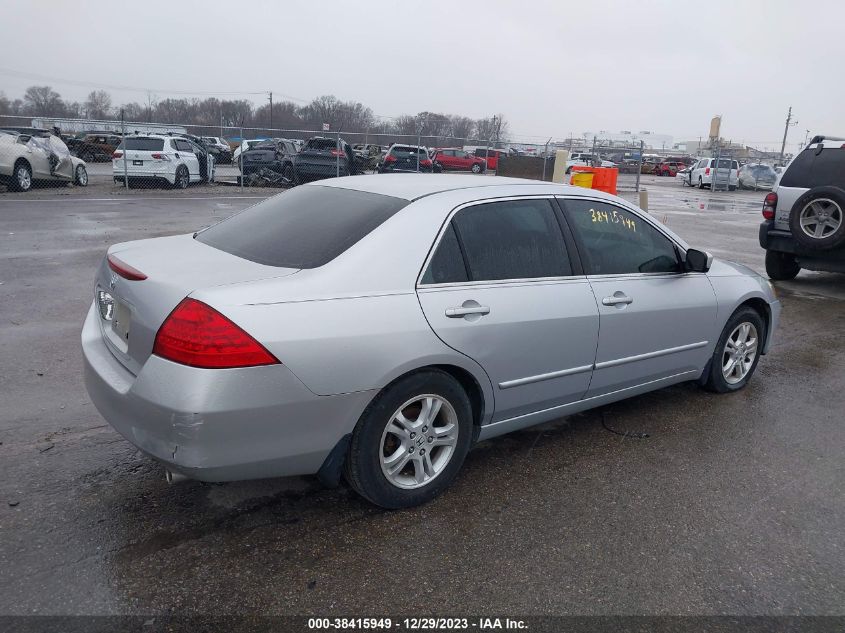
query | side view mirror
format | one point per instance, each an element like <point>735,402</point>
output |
<point>698,261</point>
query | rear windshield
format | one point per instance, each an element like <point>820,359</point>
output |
<point>725,163</point>
<point>143,144</point>
<point>305,227</point>
<point>322,144</point>
<point>401,150</point>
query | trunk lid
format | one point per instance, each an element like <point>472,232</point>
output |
<point>175,267</point>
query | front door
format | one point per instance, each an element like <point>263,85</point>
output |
<point>655,318</point>
<point>500,289</point>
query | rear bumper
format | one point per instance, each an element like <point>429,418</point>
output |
<point>780,241</point>
<point>217,425</point>
<point>318,170</point>
<point>163,171</point>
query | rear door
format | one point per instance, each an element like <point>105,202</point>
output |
<point>185,152</point>
<point>655,319</point>
<point>501,288</point>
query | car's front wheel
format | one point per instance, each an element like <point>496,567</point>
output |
<point>411,441</point>
<point>737,351</point>
<point>476,168</point>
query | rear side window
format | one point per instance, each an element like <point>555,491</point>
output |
<point>305,227</point>
<point>143,144</point>
<point>519,239</point>
<point>447,263</point>
<point>828,168</point>
<point>798,173</point>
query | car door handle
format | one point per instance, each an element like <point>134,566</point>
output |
<point>457,313</point>
<point>617,299</point>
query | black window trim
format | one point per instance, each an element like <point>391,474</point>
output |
<point>680,250</point>
<point>574,261</point>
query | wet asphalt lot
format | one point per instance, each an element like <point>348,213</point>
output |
<point>730,505</point>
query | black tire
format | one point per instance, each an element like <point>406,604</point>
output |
<point>21,177</point>
<point>363,469</point>
<point>87,157</point>
<point>80,176</point>
<point>700,183</point>
<point>781,266</point>
<point>832,201</point>
<point>183,178</point>
<point>476,168</point>
<point>731,188</point>
<point>715,381</point>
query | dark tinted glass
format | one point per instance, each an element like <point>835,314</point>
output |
<point>407,151</point>
<point>322,144</point>
<point>518,239</point>
<point>798,172</point>
<point>143,144</point>
<point>828,168</point>
<point>618,242</point>
<point>305,227</point>
<point>447,264</point>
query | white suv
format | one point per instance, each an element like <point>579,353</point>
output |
<point>701,174</point>
<point>155,156</point>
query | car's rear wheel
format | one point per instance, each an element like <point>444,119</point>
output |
<point>781,266</point>
<point>81,176</point>
<point>476,168</point>
<point>817,219</point>
<point>737,351</point>
<point>411,441</point>
<point>22,177</point>
<point>700,183</point>
<point>183,178</point>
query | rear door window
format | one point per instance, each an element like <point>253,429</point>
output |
<point>516,239</point>
<point>305,227</point>
<point>447,263</point>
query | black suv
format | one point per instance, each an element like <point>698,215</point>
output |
<point>804,223</point>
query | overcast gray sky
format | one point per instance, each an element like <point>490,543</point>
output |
<point>550,67</point>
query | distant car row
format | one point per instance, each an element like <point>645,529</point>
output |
<point>754,176</point>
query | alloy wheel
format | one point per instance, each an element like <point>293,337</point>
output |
<point>418,441</point>
<point>739,353</point>
<point>820,218</point>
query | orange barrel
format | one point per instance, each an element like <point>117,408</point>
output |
<point>602,178</point>
<point>582,179</point>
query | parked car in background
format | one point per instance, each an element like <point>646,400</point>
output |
<point>158,157</point>
<point>491,156</point>
<point>406,158</point>
<point>275,155</point>
<point>323,157</point>
<point>32,156</point>
<point>368,155</point>
<point>669,168</point>
<point>219,149</point>
<point>99,146</point>
<point>454,159</point>
<point>756,177</point>
<point>684,175</point>
<point>704,171</point>
<point>584,159</point>
<point>804,215</point>
<point>245,145</point>
<point>88,152</point>
<point>204,156</point>
<point>376,328</point>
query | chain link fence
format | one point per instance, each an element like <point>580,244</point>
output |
<point>131,154</point>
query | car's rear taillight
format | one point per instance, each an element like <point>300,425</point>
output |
<point>337,152</point>
<point>389,159</point>
<point>770,203</point>
<point>117,155</point>
<point>125,270</point>
<point>197,335</point>
<point>159,156</point>
<point>425,163</point>
<point>707,171</point>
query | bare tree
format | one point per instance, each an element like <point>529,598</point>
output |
<point>43,101</point>
<point>98,104</point>
<point>462,127</point>
<point>5,104</point>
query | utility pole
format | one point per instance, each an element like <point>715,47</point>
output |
<point>271,110</point>
<point>785,130</point>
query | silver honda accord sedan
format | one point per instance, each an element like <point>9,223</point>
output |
<point>376,327</point>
